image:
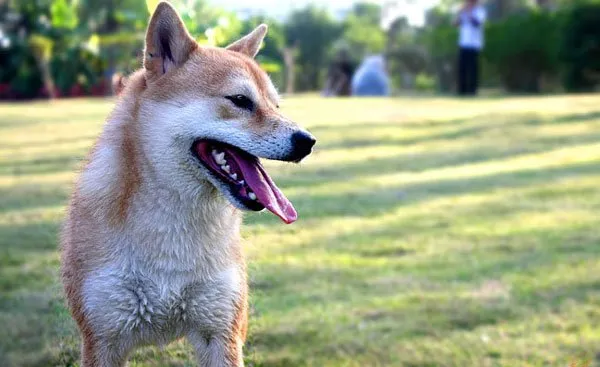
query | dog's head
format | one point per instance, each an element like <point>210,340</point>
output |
<point>209,114</point>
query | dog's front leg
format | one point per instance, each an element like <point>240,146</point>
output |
<point>217,350</point>
<point>100,353</point>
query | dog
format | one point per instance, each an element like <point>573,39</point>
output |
<point>150,244</point>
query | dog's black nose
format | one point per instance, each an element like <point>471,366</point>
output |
<point>302,143</point>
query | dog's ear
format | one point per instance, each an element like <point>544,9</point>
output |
<point>168,43</point>
<point>118,83</point>
<point>250,44</point>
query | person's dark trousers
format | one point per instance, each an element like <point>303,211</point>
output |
<point>468,71</point>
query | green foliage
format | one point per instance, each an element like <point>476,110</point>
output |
<point>63,14</point>
<point>210,25</point>
<point>440,40</point>
<point>362,31</point>
<point>523,48</point>
<point>44,32</point>
<point>580,51</point>
<point>76,66</point>
<point>108,16</point>
<point>363,38</point>
<point>18,70</point>
<point>424,82</point>
<point>312,30</point>
<point>30,37</point>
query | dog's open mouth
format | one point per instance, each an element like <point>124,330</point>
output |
<point>246,177</point>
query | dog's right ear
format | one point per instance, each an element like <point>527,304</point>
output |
<point>168,43</point>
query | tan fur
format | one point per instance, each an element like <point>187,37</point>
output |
<point>118,83</point>
<point>150,246</point>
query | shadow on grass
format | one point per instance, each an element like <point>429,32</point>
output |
<point>50,145</point>
<point>379,200</point>
<point>378,141</point>
<point>40,236</point>
<point>33,196</point>
<point>20,247</point>
<point>61,163</point>
<point>577,117</point>
<point>15,120</point>
<point>482,125</point>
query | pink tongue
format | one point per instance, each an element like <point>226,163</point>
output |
<point>266,191</point>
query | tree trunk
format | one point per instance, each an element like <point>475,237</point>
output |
<point>47,77</point>
<point>290,71</point>
<point>42,52</point>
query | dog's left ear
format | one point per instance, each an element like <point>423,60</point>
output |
<point>168,43</point>
<point>250,44</point>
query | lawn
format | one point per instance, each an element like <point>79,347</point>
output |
<point>432,232</point>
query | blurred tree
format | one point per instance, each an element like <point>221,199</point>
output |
<point>362,31</point>
<point>34,27</point>
<point>439,37</point>
<point>63,15</point>
<point>312,31</point>
<point>580,51</point>
<point>119,26</point>
<point>112,16</point>
<point>524,48</point>
<point>406,53</point>
<point>209,24</point>
<point>289,60</point>
<point>370,12</point>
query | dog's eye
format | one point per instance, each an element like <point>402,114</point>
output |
<point>241,101</point>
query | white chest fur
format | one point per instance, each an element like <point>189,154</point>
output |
<point>146,308</point>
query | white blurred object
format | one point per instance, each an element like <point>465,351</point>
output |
<point>413,10</point>
<point>371,78</point>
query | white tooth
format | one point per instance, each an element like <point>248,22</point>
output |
<point>242,182</point>
<point>225,168</point>
<point>233,175</point>
<point>220,158</point>
<point>252,195</point>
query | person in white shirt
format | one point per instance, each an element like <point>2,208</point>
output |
<point>470,21</point>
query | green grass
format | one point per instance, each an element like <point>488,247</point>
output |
<point>432,232</point>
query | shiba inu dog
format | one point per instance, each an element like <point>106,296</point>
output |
<point>150,245</point>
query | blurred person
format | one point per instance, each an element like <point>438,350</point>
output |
<point>339,75</point>
<point>470,20</point>
<point>371,78</point>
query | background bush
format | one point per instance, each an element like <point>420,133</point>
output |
<point>74,47</point>
<point>523,48</point>
<point>580,49</point>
